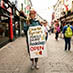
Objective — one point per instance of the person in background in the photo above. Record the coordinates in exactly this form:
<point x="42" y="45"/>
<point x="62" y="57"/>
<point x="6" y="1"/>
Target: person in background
<point x="68" y="32"/>
<point x="57" y="28"/>
<point x="32" y="22"/>
<point x="72" y="36"/>
<point x="46" y="27"/>
<point x="49" y="30"/>
<point x="61" y="28"/>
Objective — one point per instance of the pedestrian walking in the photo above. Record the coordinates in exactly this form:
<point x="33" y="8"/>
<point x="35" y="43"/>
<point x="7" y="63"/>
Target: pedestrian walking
<point x="32" y="22"/>
<point x="61" y="28"/>
<point x="49" y="30"/>
<point x="68" y="32"/>
<point x="57" y="28"/>
<point x="46" y="28"/>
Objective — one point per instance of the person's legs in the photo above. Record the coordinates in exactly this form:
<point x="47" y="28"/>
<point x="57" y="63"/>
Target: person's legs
<point x="32" y="63"/>
<point x="56" y="36"/>
<point x="46" y="36"/>
<point x="27" y="44"/>
<point x="36" y="63"/>
<point x="65" y="44"/>
<point x="32" y="60"/>
<point x="69" y="44"/>
<point x="36" y="60"/>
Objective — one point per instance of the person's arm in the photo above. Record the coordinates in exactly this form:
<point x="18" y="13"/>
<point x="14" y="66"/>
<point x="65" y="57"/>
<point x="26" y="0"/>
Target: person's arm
<point x="39" y="23"/>
<point x="72" y="28"/>
<point x="27" y="24"/>
<point x="63" y="29"/>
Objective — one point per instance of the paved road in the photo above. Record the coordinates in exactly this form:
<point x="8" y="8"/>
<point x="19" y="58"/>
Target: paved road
<point x="14" y="58"/>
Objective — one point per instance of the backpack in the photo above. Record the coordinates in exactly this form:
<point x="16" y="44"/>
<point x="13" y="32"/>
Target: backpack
<point x="68" y="32"/>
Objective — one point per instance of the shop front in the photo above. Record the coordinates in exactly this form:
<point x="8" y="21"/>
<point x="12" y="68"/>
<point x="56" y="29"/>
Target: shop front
<point x="4" y="27"/>
<point x="67" y="18"/>
<point x="16" y="26"/>
<point x="22" y="23"/>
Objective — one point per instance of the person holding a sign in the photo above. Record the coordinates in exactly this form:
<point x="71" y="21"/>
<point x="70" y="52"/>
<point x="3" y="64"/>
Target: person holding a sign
<point x="32" y="22"/>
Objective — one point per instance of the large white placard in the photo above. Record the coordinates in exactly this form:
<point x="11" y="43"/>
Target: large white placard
<point x="36" y="38"/>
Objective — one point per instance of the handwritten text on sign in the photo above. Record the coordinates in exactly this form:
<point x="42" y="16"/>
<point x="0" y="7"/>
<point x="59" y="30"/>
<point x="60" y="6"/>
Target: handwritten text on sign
<point x="36" y="38"/>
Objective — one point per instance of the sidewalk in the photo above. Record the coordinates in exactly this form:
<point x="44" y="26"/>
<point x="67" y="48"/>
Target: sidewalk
<point x="14" y="58"/>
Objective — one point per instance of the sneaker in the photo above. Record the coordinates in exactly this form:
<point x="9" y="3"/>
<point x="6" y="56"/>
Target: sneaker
<point x="32" y="67"/>
<point x="36" y="66"/>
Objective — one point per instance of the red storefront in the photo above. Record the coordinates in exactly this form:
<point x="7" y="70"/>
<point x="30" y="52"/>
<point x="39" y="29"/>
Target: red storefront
<point x="6" y="26"/>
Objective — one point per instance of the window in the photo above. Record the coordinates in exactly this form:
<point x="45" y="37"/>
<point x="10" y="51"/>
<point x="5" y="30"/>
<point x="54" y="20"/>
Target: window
<point x="4" y="32"/>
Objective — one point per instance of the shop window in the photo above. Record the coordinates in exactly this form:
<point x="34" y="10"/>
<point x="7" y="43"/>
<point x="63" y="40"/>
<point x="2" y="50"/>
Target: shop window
<point x="4" y="32"/>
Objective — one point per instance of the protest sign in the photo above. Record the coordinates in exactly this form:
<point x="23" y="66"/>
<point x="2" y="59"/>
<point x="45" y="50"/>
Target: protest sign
<point x="36" y="38"/>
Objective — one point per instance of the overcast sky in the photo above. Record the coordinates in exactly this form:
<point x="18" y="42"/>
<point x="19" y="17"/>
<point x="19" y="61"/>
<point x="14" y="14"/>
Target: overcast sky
<point x="44" y="8"/>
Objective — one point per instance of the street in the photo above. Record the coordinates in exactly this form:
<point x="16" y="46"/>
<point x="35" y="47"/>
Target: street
<point x="14" y="58"/>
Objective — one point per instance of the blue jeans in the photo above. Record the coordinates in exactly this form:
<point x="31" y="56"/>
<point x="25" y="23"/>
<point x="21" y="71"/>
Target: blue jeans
<point x="67" y="43"/>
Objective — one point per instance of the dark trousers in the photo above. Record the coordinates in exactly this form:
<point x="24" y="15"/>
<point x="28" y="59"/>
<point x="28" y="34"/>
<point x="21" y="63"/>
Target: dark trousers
<point x="67" y="43"/>
<point x="36" y="59"/>
<point x="46" y="36"/>
<point x="56" y="35"/>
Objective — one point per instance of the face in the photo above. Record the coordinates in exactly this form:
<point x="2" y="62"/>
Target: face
<point x="44" y="24"/>
<point x="32" y="16"/>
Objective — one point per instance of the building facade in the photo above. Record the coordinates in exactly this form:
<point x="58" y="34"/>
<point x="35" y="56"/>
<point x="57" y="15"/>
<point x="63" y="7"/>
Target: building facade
<point x="6" y="27"/>
<point x="62" y="7"/>
<point x="64" y="11"/>
<point x="12" y="18"/>
<point x="24" y="7"/>
<point x="58" y="9"/>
